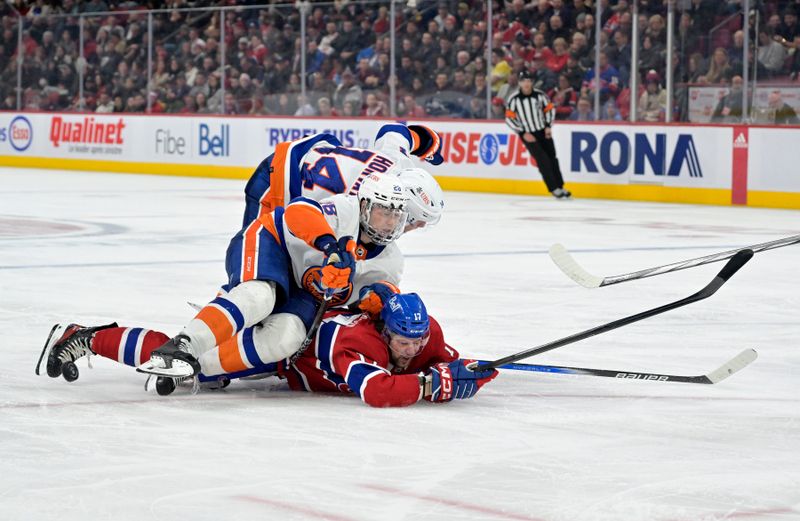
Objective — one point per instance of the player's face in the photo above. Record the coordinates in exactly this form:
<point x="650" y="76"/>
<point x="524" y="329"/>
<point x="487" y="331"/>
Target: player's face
<point x="403" y="349"/>
<point x="385" y="220"/>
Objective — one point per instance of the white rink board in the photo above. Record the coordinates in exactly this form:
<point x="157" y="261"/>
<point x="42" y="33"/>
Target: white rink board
<point x="776" y="167"/>
<point x="476" y="153"/>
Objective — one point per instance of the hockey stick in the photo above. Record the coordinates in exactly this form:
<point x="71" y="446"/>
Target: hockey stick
<point x="312" y="331"/>
<point x="731" y="267"/>
<point x="734" y="365"/>
<point x="566" y="263"/>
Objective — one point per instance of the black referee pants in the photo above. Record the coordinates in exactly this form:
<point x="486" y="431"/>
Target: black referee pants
<point x="544" y="152"/>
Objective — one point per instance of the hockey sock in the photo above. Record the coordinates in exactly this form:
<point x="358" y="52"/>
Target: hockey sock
<point x="221" y="319"/>
<point x="126" y="345"/>
<point x="276" y="338"/>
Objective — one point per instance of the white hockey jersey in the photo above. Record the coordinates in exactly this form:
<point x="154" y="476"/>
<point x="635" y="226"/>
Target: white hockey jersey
<point x="374" y="263"/>
<point x="319" y="166"/>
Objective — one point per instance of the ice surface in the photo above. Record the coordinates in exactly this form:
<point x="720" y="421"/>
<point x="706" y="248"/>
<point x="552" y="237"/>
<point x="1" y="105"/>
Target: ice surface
<point x="92" y="248"/>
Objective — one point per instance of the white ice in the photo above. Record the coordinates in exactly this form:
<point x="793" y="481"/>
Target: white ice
<point x="94" y="248"/>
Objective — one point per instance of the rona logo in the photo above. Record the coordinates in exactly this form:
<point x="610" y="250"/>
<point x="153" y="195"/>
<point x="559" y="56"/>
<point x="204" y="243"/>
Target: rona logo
<point x="644" y="150"/>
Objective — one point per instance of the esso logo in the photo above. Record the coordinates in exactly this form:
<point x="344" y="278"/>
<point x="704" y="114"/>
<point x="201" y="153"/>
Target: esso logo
<point x="20" y="133"/>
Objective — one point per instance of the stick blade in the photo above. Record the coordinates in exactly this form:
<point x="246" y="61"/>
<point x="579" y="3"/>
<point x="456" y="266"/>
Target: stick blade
<point x="734" y="365"/>
<point x="737" y="261"/>
<point x="564" y="261"/>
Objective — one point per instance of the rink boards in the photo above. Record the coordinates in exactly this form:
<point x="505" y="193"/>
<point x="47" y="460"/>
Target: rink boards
<point x="708" y="164"/>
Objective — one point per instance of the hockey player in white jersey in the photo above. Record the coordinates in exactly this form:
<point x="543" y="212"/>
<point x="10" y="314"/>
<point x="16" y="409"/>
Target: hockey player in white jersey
<point x="285" y="329"/>
<point x="319" y="166"/>
<point x="307" y="245"/>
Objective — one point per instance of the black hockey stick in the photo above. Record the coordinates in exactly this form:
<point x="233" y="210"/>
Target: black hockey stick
<point x="312" y="331"/>
<point x="731" y="267"/>
<point x="735" y="364"/>
<point x="566" y="263"/>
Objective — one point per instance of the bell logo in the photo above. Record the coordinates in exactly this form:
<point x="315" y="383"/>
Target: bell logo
<point x="217" y="145"/>
<point x="641" y="151"/>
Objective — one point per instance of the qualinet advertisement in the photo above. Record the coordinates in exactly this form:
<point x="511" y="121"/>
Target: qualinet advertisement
<point x="682" y="156"/>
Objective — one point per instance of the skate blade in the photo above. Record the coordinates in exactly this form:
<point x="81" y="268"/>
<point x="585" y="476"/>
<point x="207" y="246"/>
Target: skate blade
<point x="179" y="369"/>
<point x="52" y="338"/>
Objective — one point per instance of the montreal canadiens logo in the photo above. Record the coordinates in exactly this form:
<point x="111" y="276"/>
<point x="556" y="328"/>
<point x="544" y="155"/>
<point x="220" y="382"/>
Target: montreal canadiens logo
<point x="20" y="133"/>
<point x="489" y="149"/>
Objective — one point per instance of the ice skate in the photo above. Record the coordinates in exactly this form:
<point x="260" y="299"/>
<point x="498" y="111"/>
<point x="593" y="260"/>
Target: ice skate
<point x="66" y="344"/>
<point x="173" y="359"/>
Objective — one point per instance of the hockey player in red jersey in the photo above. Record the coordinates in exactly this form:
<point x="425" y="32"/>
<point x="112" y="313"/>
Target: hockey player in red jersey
<point x="393" y="359"/>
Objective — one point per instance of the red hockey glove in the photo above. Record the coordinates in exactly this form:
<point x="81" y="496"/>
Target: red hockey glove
<point x="373" y="296"/>
<point x="454" y="380"/>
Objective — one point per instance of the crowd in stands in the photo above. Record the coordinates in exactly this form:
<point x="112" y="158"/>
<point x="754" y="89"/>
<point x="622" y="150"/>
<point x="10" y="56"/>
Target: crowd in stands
<point x="442" y="63"/>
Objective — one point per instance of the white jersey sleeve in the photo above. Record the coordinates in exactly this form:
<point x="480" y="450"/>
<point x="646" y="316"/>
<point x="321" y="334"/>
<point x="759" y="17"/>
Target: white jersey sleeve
<point x="373" y="262"/>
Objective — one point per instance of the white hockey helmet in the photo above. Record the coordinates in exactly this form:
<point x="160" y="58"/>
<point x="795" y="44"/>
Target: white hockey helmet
<point x="383" y="201"/>
<point x="425" y="196"/>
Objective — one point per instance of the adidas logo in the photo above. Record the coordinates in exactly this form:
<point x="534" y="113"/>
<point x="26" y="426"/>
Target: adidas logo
<point x="740" y="141"/>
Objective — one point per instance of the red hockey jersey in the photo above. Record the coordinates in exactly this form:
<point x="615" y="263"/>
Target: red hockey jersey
<point x="349" y="355"/>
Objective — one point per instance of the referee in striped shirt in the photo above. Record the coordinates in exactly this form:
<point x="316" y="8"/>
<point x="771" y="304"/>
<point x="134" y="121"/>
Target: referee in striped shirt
<point x="529" y="113"/>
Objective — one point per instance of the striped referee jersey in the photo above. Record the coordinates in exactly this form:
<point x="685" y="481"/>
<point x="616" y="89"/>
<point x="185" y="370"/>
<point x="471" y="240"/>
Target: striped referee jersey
<point x="530" y="113"/>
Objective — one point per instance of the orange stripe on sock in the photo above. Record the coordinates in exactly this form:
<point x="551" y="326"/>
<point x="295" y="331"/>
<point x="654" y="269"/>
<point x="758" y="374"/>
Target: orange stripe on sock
<point x="217" y="322"/>
<point x="306" y="222"/>
<point x="229" y="356"/>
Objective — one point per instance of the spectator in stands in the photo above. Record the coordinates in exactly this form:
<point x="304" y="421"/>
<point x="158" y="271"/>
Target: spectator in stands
<point x="656" y="29"/>
<point x="304" y="107"/>
<point x="583" y="111"/>
<point x="351" y="109"/>
<point x="498" y="108"/>
<point x="609" y="83"/>
<point x="325" y="109"/>
<point x="729" y="108"/>
<point x="574" y="71"/>
<point x="781" y="113"/>
<point x="508" y="88"/>
<point x="543" y="78"/>
<point x="610" y="112"/>
<point x="620" y="55"/>
<point x="652" y="54"/>
<point x="348" y="90"/>
<point x="410" y="108"/>
<point x="501" y="69"/>
<point x="558" y="59"/>
<point x="771" y="54"/>
<point x="445" y="101"/>
<point x="794" y="68"/>
<point x="720" y="67"/>
<point x="375" y="107"/>
<point x="653" y="101"/>
<point x="564" y="98"/>
<point x="789" y="28"/>
<point x="477" y="107"/>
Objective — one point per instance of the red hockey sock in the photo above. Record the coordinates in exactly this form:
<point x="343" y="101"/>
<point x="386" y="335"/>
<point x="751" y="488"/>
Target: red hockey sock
<point x="126" y="345"/>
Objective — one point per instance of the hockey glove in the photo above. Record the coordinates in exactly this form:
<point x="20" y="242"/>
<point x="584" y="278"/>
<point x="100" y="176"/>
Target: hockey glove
<point x="454" y="380"/>
<point x="340" y="261"/>
<point x="372" y="297"/>
<point x="429" y="144"/>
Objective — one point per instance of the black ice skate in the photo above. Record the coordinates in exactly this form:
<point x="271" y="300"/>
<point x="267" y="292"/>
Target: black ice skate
<point x="173" y="359"/>
<point x="166" y="385"/>
<point x="64" y="345"/>
<point x="561" y="193"/>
